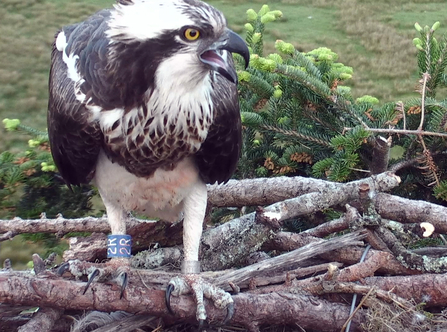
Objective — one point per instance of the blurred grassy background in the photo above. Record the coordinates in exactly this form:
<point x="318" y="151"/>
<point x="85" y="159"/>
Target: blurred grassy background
<point x="373" y="37"/>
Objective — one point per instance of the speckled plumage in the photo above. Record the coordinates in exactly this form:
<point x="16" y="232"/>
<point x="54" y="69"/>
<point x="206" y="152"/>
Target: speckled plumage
<point x="118" y="106"/>
<point x="147" y="114"/>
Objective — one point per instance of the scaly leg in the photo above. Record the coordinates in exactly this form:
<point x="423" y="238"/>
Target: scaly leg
<point x="118" y="249"/>
<point x="194" y="214"/>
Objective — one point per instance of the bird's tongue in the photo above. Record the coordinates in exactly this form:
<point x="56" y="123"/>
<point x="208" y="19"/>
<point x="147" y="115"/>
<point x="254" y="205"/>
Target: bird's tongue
<point x="217" y="63"/>
<point x="212" y="56"/>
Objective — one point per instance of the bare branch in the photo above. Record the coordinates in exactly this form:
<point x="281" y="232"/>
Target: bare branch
<point x="43" y="321"/>
<point x="334" y="226"/>
<point x="405" y="210"/>
<point x="348" y="255"/>
<point x="427" y="288"/>
<point x="402" y="132"/>
<point x="265" y="191"/>
<point x="278" y="308"/>
<point x="380" y="154"/>
<point x="411" y="259"/>
<point x="281" y="262"/>
<point x="425" y="78"/>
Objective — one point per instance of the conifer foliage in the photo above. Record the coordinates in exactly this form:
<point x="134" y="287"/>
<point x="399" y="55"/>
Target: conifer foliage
<point x="300" y="119"/>
<point x="30" y="184"/>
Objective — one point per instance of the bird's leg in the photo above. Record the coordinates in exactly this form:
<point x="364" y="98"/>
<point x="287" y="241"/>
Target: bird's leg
<point x="194" y="210"/>
<point x="118" y="249"/>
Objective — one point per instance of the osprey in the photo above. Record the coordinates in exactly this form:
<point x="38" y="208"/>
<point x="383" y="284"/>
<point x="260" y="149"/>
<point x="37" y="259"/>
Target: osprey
<point x="143" y="103"/>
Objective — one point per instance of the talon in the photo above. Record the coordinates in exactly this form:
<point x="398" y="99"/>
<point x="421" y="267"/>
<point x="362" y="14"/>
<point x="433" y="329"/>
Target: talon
<point x="201" y="325"/>
<point x="230" y="313"/>
<point x="124" y="284"/>
<point x="90" y="279"/>
<point x="169" y="290"/>
<point x="63" y="268"/>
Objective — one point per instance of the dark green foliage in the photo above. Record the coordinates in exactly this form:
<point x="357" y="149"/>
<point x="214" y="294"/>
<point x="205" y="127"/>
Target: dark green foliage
<point x="300" y="120"/>
<point x="47" y="192"/>
<point x="30" y="185"/>
<point x="440" y="190"/>
<point x="432" y="57"/>
<point x="293" y="108"/>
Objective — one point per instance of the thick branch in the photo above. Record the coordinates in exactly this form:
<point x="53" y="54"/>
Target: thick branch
<point x="251" y="310"/>
<point x="261" y="191"/>
<point x="411" y="211"/>
<point x="348" y="255"/>
<point x="427" y="288"/>
<point x="289" y="259"/>
<point x="60" y="224"/>
<point x="254" y="192"/>
<point x="43" y="321"/>
<point x="380" y="154"/>
<point x="235" y="193"/>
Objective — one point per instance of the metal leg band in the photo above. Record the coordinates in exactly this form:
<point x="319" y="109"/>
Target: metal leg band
<point x="190" y="267"/>
<point x="119" y="246"/>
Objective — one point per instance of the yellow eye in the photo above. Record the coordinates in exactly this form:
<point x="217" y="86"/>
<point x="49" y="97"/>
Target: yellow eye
<point x="191" y="34"/>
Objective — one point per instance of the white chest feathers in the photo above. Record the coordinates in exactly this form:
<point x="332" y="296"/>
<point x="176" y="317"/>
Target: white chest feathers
<point x="161" y="133"/>
<point x="158" y="196"/>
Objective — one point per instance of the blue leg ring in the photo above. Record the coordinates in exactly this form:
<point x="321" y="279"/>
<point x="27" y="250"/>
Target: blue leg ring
<point x="119" y="246"/>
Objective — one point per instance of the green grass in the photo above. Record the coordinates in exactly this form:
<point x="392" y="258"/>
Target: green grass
<point x="375" y="38"/>
<point x="20" y="252"/>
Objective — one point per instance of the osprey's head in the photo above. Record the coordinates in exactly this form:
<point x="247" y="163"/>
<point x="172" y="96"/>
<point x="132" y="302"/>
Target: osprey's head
<point x="173" y="41"/>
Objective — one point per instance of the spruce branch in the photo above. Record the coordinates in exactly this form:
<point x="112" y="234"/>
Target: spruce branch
<point x="428" y="50"/>
<point x="346" y="106"/>
<point x="295" y="134"/>
<point x="439" y="68"/>
<point x="305" y="79"/>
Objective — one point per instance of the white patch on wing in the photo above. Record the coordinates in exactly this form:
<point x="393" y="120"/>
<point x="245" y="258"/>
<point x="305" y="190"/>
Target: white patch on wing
<point x="70" y="61"/>
<point x="72" y="71"/>
<point x="158" y="196"/>
<point x="73" y="74"/>
<point x="146" y="19"/>
<point x="61" y="41"/>
<point x="108" y="118"/>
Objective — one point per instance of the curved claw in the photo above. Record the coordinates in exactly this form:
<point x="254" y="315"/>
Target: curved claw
<point x="124" y="284"/>
<point x="230" y="313"/>
<point x="201" y="325"/>
<point x="63" y="268"/>
<point x="169" y="290"/>
<point x="90" y="279"/>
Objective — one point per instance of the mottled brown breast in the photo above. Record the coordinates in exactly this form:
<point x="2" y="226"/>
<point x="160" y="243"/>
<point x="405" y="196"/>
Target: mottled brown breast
<point x="143" y="140"/>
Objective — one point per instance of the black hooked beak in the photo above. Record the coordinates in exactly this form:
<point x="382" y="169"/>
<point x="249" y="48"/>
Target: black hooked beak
<point x="217" y="61"/>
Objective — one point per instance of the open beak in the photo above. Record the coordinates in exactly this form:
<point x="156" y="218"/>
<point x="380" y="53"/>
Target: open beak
<point x="217" y="61"/>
